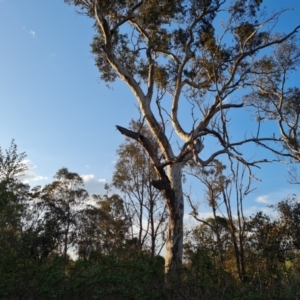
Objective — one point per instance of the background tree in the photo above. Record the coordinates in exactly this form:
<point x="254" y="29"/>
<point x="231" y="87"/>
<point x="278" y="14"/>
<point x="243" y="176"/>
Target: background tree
<point x="61" y="202"/>
<point x="13" y="196"/>
<point x="33" y="264"/>
<point x="11" y="162"/>
<point x="225" y="195"/>
<point x="289" y="214"/>
<point x="133" y="175"/>
<point x="103" y="227"/>
<point x="233" y="195"/>
<point x="267" y="240"/>
<point x="172" y="47"/>
<point x="215" y="183"/>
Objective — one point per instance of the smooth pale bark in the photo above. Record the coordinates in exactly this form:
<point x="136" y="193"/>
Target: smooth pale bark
<point x="174" y="243"/>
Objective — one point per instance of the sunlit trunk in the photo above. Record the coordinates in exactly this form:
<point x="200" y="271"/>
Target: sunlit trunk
<point x="174" y="242"/>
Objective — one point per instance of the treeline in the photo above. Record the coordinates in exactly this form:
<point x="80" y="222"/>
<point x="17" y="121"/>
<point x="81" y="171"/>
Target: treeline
<point x="57" y="242"/>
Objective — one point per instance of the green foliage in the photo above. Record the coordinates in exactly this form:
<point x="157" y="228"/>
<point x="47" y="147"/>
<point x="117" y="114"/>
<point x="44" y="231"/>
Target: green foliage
<point x="165" y="27"/>
<point x="33" y="230"/>
<point x="176" y="48"/>
<point x="60" y="201"/>
<point x="103" y="227"/>
<point x="11" y="162"/>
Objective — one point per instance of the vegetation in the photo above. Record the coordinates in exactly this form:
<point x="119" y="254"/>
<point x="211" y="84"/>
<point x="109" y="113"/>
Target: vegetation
<point x="59" y="242"/>
<point x="178" y="61"/>
<point x="55" y="244"/>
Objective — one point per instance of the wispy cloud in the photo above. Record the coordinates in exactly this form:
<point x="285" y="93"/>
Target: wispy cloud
<point x="92" y="184"/>
<point x="276" y="196"/>
<point x="31" y="174"/>
<point x="264" y="199"/>
<point x="252" y="210"/>
<point x="91" y="177"/>
<point x="87" y="178"/>
<point x="33" y="33"/>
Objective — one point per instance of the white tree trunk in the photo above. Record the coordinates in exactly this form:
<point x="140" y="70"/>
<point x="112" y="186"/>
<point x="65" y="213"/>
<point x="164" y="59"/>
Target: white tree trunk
<point x="174" y="243"/>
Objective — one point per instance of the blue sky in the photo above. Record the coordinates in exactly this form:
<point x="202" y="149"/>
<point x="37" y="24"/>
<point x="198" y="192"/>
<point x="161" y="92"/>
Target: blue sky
<point x="57" y="110"/>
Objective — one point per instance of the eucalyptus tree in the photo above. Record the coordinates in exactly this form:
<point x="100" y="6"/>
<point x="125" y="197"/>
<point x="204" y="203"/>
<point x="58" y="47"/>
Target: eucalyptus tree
<point x="178" y="62"/>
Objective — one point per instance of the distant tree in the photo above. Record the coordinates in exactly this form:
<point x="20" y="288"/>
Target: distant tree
<point x="14" y="203"/>
<point x="133" y="175"/>
<point x="204" y="237"/>
<point x="266" y="238"/>
<point x="13" y="197"/>
<point x="215" y="182"/>
<point x="233" y="197"/>
<point x="172" y="54"/>
<point x="11" y="162"/>
<point x="103" y="227"/>
<point x="225" y="195"/>
<point x="61" y="201"/>
<point x="289" y="215"/>
<point x="42" y="233"/>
